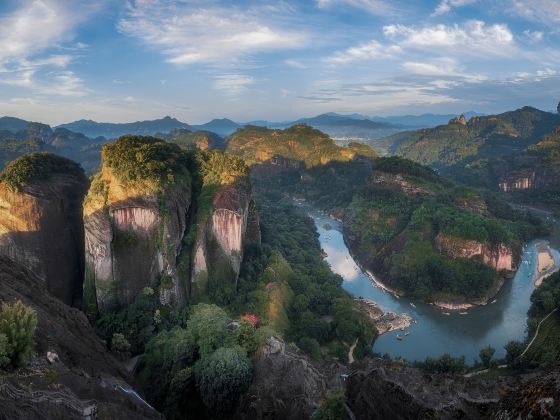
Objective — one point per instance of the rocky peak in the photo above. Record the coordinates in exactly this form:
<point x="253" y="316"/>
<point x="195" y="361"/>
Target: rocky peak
<point x="41" y="223"/>
<point x="135" y="219"/>
<point x="459" y="120"/>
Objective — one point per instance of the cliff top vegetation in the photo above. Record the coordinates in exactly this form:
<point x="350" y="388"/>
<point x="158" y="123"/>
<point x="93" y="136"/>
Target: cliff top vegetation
<point x="150" y="161"/>
<point x="38" y="166"/>
<point x="299" y="142"/>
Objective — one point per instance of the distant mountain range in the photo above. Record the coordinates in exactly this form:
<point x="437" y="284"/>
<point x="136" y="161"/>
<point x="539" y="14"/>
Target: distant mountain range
<point x="113" y="130"/>
<point x="424" y="120"/>
<point x="336" y="125"/>
<point x="12" y="124"/>
<point x="223" y="126"/>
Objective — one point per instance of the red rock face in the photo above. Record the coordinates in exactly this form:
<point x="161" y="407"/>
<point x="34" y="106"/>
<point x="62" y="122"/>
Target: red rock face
<point x="218" y="250"/>
<point x="499" y="256"/>
<point x="136" y="218"/>
<point x="131" y="244"/>
<point x="522" y="183"/>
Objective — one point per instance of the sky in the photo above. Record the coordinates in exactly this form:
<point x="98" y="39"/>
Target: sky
<point x="121" y="61"/>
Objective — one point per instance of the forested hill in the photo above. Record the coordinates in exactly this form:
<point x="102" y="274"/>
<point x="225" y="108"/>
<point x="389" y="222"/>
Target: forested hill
<point x="415" y="229"/>
<point x="460" y="141"/>
<point x="531" y="177"/>
<point x="300" y="143"/>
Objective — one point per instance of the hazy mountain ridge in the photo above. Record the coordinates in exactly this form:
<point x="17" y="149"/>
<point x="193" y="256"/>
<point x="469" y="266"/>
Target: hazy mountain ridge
<point x="113" y="130"/>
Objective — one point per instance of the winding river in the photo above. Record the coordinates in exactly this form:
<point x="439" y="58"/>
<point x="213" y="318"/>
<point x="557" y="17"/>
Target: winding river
<point x="434" y="332"/>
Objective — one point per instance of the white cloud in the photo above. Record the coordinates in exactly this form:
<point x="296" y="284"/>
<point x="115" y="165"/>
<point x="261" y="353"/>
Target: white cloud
<point x="32" y="29"/>
<point x="66" y="83"/>
<point x="188" y="35"/>
<point x="544" y="11"/>
<point x="369" y="51"/>
<point x="437" y="67"/>
<point x="533" y="36"/>
<point x="232" y="85"/>
<point x="474" y="37"/>
<point x="295" y="64"/>
<point x="30" y="35"/>
<point x="445" y="6"/>
<point x="376" y="7"/>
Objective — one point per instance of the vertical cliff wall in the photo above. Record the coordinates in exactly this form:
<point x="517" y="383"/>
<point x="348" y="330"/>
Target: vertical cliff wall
<point x="135" y="223"/>
<point x="221" y="237"/>
<point x="226" y="222"/>
<point x="499" y="256"/>
<point x="41" y="221"/>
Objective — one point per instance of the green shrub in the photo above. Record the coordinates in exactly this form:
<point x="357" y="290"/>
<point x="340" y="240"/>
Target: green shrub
<point x="120" y="345"/>
<point x="513" y="351"/>
<point x="222" y="377"/>
<point x="444" y="364"/>
<point x="245" y="336"/>
<point x="208" y="326"/>
<point x="486" y="355"/>
<point x="332" y="407"/>
<point x="263" y="334"/>
<point x="310" y="346"/>
<point x="18" y="323"/>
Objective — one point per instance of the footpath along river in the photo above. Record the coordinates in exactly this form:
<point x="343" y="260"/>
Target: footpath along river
<point x="434" y="332"/>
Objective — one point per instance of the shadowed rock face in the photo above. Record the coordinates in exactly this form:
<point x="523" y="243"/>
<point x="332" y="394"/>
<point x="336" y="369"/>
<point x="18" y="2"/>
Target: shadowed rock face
<point x="85" y="369"/>
<point x="41" y="227"/>
<point x="537" y="398"/>
<point x="386" y="390"/>
<point x="286" y="385"/>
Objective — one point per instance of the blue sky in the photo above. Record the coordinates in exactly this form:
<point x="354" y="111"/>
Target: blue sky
<point x="110" y="60"/>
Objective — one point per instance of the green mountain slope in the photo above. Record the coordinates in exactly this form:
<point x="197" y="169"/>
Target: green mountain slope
<point x="460" y="142"/>
<point x="298" y="143"/>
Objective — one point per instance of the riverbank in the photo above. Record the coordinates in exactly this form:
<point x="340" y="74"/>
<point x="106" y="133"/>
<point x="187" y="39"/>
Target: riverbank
<point x="460" y="303"/>
<point x="384" y="322"/>
<point x="546" y="265"/>
<point x="431" y="332"/>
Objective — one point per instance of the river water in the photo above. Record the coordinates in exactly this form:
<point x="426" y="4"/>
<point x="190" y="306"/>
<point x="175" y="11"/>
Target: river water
<point x="434" y="332"/>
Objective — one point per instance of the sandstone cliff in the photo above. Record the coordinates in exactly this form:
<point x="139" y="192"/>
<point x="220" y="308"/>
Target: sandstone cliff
<point x="498" y="256"/>
<point x="226" y="222"/>
<point x="135" y="219"/>
<point x="41" y="222"/>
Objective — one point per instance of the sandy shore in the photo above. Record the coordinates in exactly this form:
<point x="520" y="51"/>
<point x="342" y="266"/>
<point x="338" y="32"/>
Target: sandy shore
<point x="546" y="266"/>
<point x="453" y="306"/>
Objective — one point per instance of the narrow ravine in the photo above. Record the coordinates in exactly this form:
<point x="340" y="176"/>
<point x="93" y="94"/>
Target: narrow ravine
<point x="434" y="332"/>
